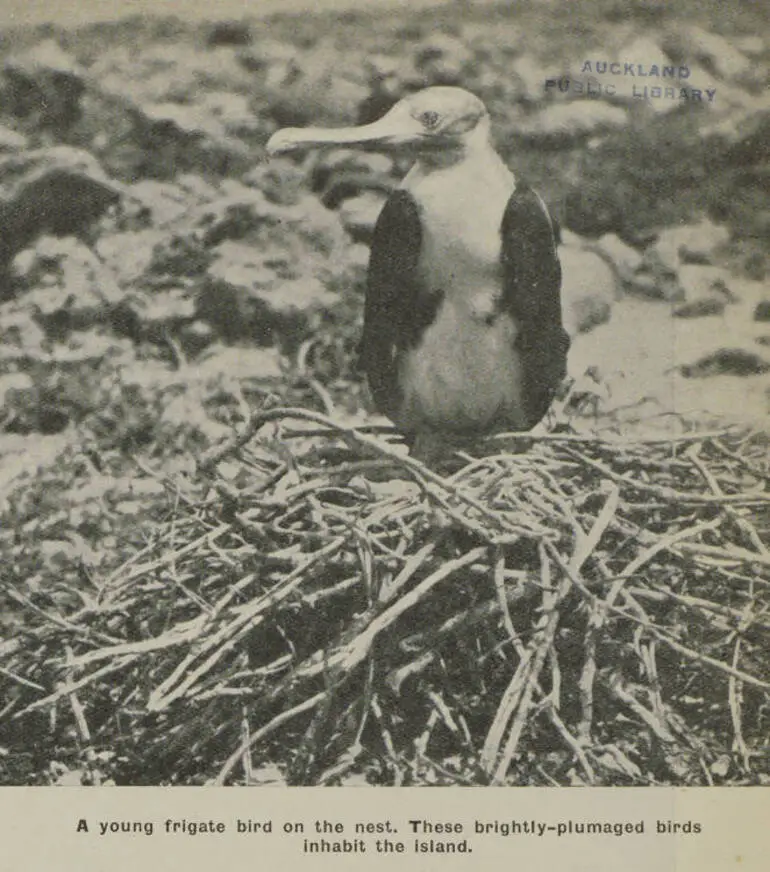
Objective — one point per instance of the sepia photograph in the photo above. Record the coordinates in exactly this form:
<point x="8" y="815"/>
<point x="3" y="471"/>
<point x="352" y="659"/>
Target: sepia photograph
<point x="384" y="396"/>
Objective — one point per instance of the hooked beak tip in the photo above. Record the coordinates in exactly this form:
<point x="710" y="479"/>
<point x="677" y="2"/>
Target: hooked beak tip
<point x="278" y="144"/>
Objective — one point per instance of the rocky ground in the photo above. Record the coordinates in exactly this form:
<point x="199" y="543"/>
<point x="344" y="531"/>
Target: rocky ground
<point x="158" y="276"/>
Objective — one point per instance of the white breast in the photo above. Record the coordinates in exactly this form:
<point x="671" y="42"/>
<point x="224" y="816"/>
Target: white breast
<point x="464" y="374"/>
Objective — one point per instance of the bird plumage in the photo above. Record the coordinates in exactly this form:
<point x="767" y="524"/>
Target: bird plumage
<point x="489" y="356"/>
<point x="462" y="319"/>
<point x="532" y="296"/>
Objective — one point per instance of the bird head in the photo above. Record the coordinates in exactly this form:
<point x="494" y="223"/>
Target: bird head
<point x="435" y="119"/>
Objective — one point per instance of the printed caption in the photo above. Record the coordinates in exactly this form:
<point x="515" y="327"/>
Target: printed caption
<point x="415" y="836"/>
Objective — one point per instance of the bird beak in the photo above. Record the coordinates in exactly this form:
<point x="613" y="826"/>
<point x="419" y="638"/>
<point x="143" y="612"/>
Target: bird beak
<point x="394" y="128"/>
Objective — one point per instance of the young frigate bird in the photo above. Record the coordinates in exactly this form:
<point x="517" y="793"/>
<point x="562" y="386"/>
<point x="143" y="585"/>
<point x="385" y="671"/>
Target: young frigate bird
<point x="463" y="326"/>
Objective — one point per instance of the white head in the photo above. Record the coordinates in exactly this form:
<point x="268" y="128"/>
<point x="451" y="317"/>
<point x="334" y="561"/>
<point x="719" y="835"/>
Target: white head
<point x="431" y="122"/>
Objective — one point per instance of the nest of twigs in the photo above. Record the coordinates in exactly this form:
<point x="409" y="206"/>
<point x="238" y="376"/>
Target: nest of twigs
<point x="557" y="610"/>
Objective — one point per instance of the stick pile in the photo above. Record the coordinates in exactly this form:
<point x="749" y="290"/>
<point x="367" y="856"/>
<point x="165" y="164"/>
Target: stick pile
<point x="557" y="610"/>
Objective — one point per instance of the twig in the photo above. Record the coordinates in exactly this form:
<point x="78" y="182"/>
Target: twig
<point x="645" y="715"/>
<point x="499" y="583"/>
<point x="271" y="727"/>
<point x="65" y="688"/>
<point x="20" y="680"/>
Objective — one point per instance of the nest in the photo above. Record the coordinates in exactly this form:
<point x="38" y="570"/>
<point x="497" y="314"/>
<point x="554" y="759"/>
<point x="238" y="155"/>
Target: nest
<point x="557" y="610"/>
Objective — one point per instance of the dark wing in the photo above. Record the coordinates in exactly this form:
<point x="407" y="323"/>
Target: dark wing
<point x="532" y="294"/>
<point x="392" y="296"/>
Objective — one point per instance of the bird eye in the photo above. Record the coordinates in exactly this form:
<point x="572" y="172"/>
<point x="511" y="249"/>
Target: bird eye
<point x="430" y="119"/>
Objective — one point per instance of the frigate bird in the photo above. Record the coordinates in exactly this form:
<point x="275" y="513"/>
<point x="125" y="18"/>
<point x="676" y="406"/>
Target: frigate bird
<point x="463" y="326"/>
